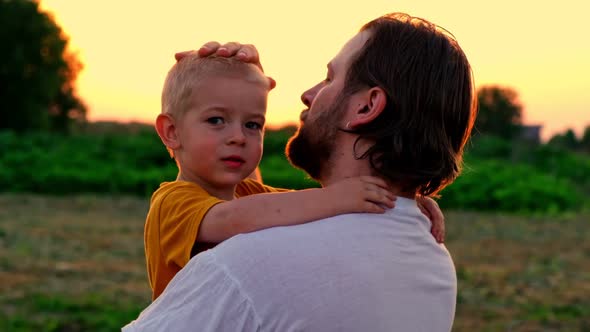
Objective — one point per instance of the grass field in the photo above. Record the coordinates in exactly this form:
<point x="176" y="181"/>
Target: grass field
<point x="77" y="264"/>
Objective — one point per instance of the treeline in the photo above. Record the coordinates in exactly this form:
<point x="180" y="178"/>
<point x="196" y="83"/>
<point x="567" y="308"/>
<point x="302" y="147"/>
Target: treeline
<point x="499" y="174"/>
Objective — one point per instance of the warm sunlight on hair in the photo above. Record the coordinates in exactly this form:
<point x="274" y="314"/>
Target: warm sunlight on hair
<point x="187" y="75"/>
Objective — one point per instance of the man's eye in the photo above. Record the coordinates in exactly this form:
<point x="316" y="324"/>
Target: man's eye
<point x="253" y="125"/>
<point x="216" y="120"/>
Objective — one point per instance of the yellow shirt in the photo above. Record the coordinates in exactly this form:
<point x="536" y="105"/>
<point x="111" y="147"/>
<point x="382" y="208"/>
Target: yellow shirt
<point x="176" y="211"/>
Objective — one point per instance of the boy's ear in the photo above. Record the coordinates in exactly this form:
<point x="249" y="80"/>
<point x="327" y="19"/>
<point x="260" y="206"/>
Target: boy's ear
<point x="166" y="128"/>
<point x="368" y="105"/>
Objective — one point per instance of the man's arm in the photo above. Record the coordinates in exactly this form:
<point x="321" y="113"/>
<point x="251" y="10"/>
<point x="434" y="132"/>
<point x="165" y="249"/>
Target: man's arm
<point x="260" y="211"/>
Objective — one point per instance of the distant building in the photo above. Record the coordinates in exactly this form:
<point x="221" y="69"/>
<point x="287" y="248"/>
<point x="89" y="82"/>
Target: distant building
<point x="531" y="133"/>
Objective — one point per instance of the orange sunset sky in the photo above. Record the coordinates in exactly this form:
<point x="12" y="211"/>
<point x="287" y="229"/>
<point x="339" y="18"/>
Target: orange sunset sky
<point x="539" y="48"/>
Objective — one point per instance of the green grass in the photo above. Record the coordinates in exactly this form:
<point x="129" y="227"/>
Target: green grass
<point x="76" y="264"/>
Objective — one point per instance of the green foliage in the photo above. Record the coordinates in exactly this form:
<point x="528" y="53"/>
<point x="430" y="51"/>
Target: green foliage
<point x="275" y="141"/>
<point x="585" y="141"/>
<point x="498" y="186"/>
<point x="561" y="164"/>
<point x="278" y="172"/>
<point x="489" y="147"/>
<point x="499" y="111"/>
<point x="499" y="175"/>
<point x="37" y="74"/>
<point x="567" y="140"/>
<point x="55" y="164"/>
<point x="113" y="163"/>
<point x="94" y="312"/>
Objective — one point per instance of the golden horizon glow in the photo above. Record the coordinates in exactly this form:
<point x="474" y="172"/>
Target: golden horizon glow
<point x="540" y="50"/>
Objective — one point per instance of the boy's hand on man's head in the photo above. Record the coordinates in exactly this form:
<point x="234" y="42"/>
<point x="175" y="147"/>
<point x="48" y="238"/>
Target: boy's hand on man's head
<point x="430" y="208"/>
<point x="243" y="52"/>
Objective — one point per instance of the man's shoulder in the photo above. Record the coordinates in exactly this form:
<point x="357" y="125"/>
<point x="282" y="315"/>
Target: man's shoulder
<point x="277" y="250"/>
<point x="342" y="265"/>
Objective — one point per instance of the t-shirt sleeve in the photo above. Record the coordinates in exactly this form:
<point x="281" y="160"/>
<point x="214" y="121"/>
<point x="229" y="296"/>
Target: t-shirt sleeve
<point x="201" y="297"/>
<point x="180" y="217"/>
<point x="251" y="187"/>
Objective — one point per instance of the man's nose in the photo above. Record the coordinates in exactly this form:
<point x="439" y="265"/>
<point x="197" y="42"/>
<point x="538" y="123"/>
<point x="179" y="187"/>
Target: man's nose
<point x="308" y="96"/>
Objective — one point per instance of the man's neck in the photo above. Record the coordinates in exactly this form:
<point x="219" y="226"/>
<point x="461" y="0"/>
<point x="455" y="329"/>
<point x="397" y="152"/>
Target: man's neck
<point x="344" y="164"/>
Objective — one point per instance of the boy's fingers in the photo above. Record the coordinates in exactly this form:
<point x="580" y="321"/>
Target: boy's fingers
<point x="377" y="188"/>
<point x="379" y="191"/>
<point x="380" y="197"/>
<point x="244" y="52"/>
<point x="180" y="55"/>
<point x="425" y="211"/>
<point x="272" y="82"/>
<point x="374" y="180"/>
<point x="228" y="49"/>
<point x="438" y="232"/>
<point x="371" y="207"/>
<point x="208" y="48"/>
<point x="247" y="53"/>
<point x="437" y="215"/>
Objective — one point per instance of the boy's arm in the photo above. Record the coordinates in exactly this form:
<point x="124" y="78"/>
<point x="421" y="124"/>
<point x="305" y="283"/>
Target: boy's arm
<point x="256" y="212"/>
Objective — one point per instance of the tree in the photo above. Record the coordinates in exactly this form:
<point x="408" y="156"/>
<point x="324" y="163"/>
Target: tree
<point x="567" y="140"/>
<point x="500" y="112"/>
<point x="37" y="73"/>
<point x="585" y="141"/>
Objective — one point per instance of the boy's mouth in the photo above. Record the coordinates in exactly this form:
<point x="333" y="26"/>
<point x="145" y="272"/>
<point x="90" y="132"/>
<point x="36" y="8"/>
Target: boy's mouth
<point x="233" y="161"/>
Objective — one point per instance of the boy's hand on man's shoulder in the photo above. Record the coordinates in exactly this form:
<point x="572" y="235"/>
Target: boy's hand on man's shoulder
<point x="430" y="208"/>
<point x="361" y="194"/>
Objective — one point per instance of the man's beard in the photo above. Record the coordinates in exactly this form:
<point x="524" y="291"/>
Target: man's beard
<point x="311" y="148"/>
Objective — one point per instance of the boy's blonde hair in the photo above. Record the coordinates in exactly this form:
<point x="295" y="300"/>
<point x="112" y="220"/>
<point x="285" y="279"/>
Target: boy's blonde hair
<point x="185" y="77"/>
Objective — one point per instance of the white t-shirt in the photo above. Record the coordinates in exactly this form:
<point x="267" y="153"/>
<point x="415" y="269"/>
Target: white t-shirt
<point x="353" y="272"/>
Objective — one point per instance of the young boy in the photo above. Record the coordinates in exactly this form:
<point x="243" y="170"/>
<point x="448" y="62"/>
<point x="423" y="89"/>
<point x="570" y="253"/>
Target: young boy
<point x="212" y="120"/>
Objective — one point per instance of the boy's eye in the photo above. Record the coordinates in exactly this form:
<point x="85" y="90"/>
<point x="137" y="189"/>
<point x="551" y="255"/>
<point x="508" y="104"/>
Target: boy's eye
<point x="215" y="120"/>
<point x="253" y="125"/>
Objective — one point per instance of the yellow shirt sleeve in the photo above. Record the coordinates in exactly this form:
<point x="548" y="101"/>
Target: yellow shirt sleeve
<point x="176" y="211"/>
<point x="251" y="187"/>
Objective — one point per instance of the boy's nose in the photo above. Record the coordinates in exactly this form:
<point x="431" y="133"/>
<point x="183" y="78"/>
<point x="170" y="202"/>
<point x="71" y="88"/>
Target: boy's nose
<point x="237" y="136"/>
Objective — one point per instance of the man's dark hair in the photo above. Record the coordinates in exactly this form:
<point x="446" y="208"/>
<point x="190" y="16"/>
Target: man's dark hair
<point x="430" y="110"/>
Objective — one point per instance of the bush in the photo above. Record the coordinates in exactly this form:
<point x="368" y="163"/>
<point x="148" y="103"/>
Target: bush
<point x="278" y="172"/>
<point x="545" y="179"/>
<point x="54" y="164"/>
<point x="498" y="186"/>
<point x="489" y="147"/>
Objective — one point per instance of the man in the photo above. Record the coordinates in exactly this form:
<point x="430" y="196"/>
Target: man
<point x="398" y="103"/>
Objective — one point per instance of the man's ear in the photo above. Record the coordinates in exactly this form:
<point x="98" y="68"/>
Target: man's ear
<point x="166" y="128"/>
<point x="368" y="105"/>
